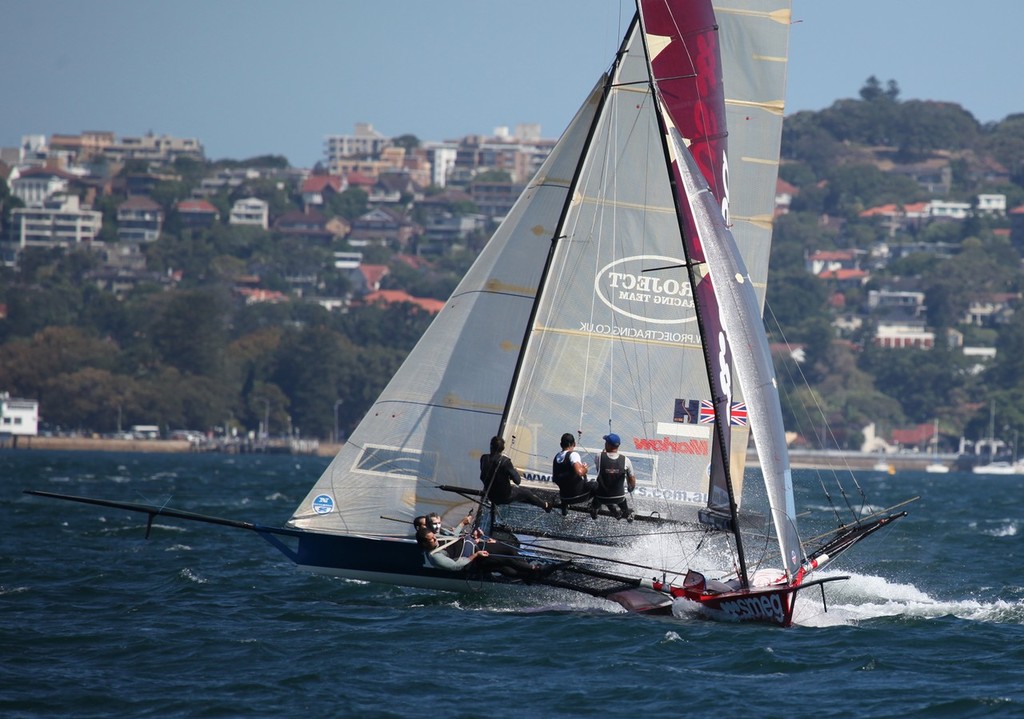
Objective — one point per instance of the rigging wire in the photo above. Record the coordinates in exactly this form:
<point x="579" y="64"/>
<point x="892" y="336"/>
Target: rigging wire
<point x="821" y="416"/>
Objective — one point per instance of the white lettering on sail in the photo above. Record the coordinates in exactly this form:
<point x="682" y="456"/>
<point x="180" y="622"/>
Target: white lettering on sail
<point x="651" y="288"/>
<point x="725" y="187"/>
<point x="686" y="338"/>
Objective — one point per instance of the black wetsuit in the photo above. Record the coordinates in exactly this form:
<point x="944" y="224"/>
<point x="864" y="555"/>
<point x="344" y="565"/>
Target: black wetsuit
<point x="611" y="485"/>
<point x="572" y="488"/>
<point x="501" y="482"/>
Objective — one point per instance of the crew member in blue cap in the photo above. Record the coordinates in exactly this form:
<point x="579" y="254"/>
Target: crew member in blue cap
<point x="614" y="475"/>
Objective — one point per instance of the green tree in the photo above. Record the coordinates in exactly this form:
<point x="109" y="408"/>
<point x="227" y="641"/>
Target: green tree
<point x="349" y="204"/>
<point x="188" y="331"/>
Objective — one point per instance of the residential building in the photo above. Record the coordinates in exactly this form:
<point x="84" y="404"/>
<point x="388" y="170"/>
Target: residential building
<point x="366" y="142"/>
<point x="991" y="310"/>
<point x="382" y="226"/>
<point x="495" y="199"/>
<point x="139" y="219"/>
<point x="442" y="162"/>
<point x="152" y="148"/>
<point x="306" y="226"/>
<point x="84" y="146"/>
<point x="949" y="210"/>
<point x="831" y="260"/>
<point x="900" y="296"/>
<point x="317" y="189"/>
<point x="59" y="222"/>
<point x="250" y="211"/>
<point x="197" y="214"/>
<point x="784" y="194"/>
<point x="36" y="185"/>
<point x="991" y="205"/>
<point x="347" y="260"/>
<point x="390" y="297"/>
<point x="19" y="417"/>
<point x="225" y="179"/>
<point x="903" y="332"/>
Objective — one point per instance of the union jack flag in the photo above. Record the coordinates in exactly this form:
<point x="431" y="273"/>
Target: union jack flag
<point x="707" y="412"/>
<point x="738" y="415"/>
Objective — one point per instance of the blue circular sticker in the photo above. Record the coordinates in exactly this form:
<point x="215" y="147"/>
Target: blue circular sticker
<point x="323" y="504"/>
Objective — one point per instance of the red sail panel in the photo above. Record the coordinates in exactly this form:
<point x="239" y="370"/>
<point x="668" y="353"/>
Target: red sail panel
<point x="681" y="39"/>
<point x="686" y="64"/>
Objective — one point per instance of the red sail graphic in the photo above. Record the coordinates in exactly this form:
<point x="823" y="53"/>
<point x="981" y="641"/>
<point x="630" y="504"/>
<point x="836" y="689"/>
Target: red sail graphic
<point x="681" y="37"/>
<point x="686" y="65"/>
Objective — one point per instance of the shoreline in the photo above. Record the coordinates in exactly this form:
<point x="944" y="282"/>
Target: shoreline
<point x="171" y="446"/>
<point x="799" y="459"/>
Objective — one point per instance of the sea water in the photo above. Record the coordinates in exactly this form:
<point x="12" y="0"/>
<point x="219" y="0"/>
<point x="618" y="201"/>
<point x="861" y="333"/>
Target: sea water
<point x="207" y="621"/>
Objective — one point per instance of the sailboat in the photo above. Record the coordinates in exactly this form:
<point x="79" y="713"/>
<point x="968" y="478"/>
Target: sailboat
<point x="935" y="466"/>
<point x="621" y="294"/>
<point x="997" y="466"/>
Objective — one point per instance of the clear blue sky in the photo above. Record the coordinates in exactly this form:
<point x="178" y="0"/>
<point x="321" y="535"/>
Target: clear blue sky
<point x="252" y="77"/>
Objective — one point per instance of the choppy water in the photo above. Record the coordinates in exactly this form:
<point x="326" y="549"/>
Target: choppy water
<point x="205" y="621"/>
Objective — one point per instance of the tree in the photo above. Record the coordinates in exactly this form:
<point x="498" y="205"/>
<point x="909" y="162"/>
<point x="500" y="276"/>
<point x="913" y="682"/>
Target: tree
<point x="409" y="142"/>
<point x="188" y="331"/>
<point x="872" y="90"/>
<point x="349" y="204"/>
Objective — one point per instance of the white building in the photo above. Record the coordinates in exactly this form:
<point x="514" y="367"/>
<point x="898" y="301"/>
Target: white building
<point x="952" y="210"/>
<point x="36" y="185"/>
<point x="365" y="143"/>
<point x="250" y="211"/>
<point x="442" y="162"/>
<point x="60" y="222"/>
<point x="18" y="416"/>
<point x="139" y="219"/>
<point x="991" y="204"/>
<point x="154" y="148"/>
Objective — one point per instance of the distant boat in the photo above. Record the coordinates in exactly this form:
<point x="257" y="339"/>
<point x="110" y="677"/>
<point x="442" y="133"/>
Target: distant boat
<point x="884" y="466"/>
<point x="999" y="468"/>
<point x="935" y="466"/>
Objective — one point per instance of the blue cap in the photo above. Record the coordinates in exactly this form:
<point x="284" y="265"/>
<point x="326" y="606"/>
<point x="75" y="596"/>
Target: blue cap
<point x="612" y="439"/>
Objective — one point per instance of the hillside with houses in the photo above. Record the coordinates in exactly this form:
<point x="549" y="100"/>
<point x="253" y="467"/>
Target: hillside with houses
<point x="143" y="283"/>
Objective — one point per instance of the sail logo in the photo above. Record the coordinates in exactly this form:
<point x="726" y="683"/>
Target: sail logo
<point x="650" y="288"/>
<point x="323" y="504"/>
<point x="767" y="606"/>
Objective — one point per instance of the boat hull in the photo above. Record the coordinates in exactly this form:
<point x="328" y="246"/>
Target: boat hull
<point x="773" y="605"/>
<point x="373" y="559"/>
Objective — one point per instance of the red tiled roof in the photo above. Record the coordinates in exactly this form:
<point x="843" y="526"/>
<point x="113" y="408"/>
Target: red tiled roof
<point x="781" y="186"/>
<point x="389" y="297"/>
<point x="139" y="202"/>
<point x="881" y="210"/>
<point x="373" y="274"/>
<point x="317" y="183"/>
<point x="47" y="171"/>
<point x="915" y="435"/>
<point x="842" y="274"/>
<point x="195" y="206"/>
<point x="358" y="178"/>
